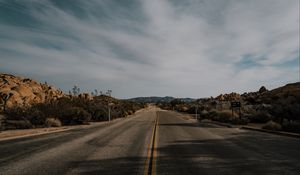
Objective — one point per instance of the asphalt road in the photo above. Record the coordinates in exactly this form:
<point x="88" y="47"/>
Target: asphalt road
<point x="179" y="146"/>
<point x="187" y="147"/>
<point x="119" y="147"/>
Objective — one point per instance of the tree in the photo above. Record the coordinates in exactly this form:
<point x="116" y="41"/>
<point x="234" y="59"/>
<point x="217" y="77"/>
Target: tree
<point x="96" y="92"/>
<point x="176" y="102"/>
<point x="108" y="92"/>
<point x="76" y="90"/>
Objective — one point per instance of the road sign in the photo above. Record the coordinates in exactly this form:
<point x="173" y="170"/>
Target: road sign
<point x="235" y="104"/>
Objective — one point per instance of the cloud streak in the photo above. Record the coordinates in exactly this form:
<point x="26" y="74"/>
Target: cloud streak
<point x="193" y="48"/>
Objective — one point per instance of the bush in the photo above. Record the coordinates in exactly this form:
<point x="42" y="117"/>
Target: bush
<point x="212" y="113"/>
<point x="224" y="116"/>
<point x="35" y="116"/>
<point x="99" y="115"/>
<point x="32" y="114"/>
<point x="204" y="114"/>
<point x="272" y="126"/>
<point x="53" y="122"/>
<point x="18" y="124"/>
<point x="259" y="117"/>
<point x="15" y="113"/>
<point x="237" y="121"/>
<point x="74" y="115"/>
<point x="2" y="119"/>
<point x="291" y="127"/>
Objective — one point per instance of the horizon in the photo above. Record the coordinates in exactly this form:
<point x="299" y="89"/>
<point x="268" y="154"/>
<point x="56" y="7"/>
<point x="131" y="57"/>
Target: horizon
<point x="193" y="49"/>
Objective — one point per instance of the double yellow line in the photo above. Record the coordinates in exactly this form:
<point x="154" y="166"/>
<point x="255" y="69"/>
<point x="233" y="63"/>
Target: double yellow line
<point x="150" y="165"/>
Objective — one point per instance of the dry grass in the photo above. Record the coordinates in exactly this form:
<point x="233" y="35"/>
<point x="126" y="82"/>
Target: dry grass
<point x="53" y="122"/>
<point x="271" y="125"/>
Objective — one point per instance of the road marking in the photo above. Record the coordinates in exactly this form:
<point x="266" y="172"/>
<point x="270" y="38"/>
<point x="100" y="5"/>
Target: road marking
<point x="150" y="164"/>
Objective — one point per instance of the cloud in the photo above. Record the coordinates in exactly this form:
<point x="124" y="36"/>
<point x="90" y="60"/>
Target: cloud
<point x="152" y="47"/>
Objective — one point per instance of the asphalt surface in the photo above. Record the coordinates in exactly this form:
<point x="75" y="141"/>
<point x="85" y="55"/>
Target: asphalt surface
<point x="115" y="148"/>
<point x="187" y="147"/>
<point x="181" y="146"/>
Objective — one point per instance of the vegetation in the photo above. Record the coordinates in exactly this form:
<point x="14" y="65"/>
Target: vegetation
<point x="53" y="122"/>
<point x="271" y="125"/>
<point x="68" y="110"/>
<point x="281" y="105"/>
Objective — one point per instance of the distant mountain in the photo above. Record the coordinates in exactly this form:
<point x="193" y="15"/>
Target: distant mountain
<point x="155" y="99"/>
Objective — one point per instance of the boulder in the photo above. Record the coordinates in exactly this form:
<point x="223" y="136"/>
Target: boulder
<point x="262" y="89"/>
<point x="25" y="91"/>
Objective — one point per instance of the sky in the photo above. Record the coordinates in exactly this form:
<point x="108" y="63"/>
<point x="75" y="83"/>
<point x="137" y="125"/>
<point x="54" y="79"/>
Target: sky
<point x="191" y="48"/>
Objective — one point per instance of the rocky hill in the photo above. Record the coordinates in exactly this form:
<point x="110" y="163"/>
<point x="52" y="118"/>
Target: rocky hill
<point x="21" y="91"/>
<point x="263" y="95"/>
<point x="289" y="91"/>
<point x="26" y="103"/>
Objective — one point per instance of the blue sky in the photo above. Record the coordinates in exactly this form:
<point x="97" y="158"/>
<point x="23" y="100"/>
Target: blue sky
<point x="191" y="48"/>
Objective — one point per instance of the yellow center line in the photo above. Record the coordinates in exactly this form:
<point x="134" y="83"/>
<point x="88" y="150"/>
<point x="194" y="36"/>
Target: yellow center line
<point x="150" y="164"/>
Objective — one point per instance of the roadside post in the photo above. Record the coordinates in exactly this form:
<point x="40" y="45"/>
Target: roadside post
<point x="236" y="104"/>
<point x="108" y="93"/>
<point x="109" y="115"/>
<point x="196" y="109"/>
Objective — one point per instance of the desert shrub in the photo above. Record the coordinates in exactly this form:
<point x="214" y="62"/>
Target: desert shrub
<point x="259" y="117"/>
<point x="224" y="116"/>
<point x="271" y="125"/>
<point x="204" y="113"/>
<point x="72" y="110"/>
<point x="74" y="115"/>
<point x="129" y="112"/>
<point x="205" y="120"/>
<point x="286" y="108"/>
<point x="212" y="113"/>
<point x="291" y="127"/>
<point x="2" y="119"/>
<point x="32" y="114"/>
<point x="53" y="122"/>
<point x="190" y="109"/>
<point x="99" y="115"/>
<point x="35" y="116"/>
<point x="98" y="112"/>
<point x="18" y="124"/>
<point x="238" y="121"/>
<point x="15" y="113"/>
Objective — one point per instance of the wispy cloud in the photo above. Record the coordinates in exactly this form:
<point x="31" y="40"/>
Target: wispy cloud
<point x="152" y="47"/>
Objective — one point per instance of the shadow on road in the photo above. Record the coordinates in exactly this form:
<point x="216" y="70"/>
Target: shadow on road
<point x="242" y="153"/>
<point x="189" y="125"/>
<point x="237" y="154"/>
<point x="122" y="165"/>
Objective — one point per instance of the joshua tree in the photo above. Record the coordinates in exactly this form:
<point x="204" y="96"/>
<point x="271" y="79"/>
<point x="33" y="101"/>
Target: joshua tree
<point x="76" y="90"/>
<point x="108" y="92"/>
<point x="96" y="92"/>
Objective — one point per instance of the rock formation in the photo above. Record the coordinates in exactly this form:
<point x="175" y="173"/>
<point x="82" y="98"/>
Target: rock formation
<point x="229" y="97"/>
<point x="16" y="90"/>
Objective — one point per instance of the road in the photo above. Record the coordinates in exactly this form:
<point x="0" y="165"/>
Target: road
<point x="152" y="142"/>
